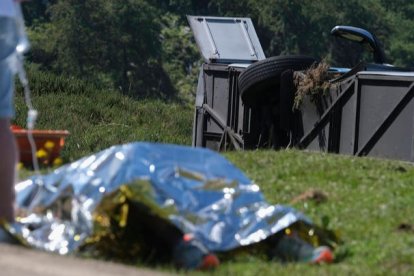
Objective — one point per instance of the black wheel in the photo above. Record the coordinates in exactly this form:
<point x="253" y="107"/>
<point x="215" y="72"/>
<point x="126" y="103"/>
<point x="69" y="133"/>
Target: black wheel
<point x="261" y="79"/>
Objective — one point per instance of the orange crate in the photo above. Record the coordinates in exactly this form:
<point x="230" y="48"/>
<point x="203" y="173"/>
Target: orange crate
<point x="48" y="144"/>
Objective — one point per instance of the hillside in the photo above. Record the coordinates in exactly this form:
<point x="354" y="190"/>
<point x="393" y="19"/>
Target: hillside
<point x="98" y="118"/>
<point x="368" y="202"/>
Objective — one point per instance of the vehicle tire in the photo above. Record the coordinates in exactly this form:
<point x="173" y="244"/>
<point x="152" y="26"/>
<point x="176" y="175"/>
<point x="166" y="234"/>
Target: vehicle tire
<point x="260" y="81"/>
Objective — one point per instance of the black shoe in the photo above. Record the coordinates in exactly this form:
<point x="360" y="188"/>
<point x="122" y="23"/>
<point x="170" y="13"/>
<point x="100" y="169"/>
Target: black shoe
<point x="190" y="253"/>
<point x="6" y="237"/>
<point x="292" y="248"/>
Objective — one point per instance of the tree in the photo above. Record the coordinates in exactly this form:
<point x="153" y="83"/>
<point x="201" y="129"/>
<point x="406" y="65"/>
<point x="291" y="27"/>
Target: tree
<point x="111" y="42"/>
<point x="145" y="46"/>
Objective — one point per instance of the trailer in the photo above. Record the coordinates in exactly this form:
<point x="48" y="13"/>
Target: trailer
<point x="244" y="100"/>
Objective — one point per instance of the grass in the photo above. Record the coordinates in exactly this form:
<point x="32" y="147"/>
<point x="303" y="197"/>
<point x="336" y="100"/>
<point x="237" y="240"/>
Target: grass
<point x="368" y="200"/>
<point x="98" y="118"/>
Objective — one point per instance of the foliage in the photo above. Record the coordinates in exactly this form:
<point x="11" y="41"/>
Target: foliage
<point x="313" y="82"/>
<point x="180" y="55"/>
<point x="145" y="48"/>
<point x="401" y="39"/>
<point x="369" y="201"/>
<point x="98" y="118"/>
<point x="303" y="27"/>
<point x="107" y="42"/>
<point x="91" y="53"/>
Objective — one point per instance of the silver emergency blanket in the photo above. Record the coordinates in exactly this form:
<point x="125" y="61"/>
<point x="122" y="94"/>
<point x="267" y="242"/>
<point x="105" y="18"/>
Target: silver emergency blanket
<point x="196" y="189"/>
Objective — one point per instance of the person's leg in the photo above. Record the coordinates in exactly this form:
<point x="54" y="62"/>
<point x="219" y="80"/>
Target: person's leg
<point x="8" y="150"/>
<point x="289" y="246"/>
<point x="8" y="159"/>
<point x="167" y="241"/>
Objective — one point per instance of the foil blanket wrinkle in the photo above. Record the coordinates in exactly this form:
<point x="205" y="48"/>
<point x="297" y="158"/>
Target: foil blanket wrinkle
<point x="195" y="189"/>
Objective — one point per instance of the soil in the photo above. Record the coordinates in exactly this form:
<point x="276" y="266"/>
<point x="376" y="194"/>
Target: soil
<point x="20" y="261"/>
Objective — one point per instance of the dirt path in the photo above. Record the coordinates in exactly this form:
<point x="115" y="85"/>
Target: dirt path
<point x="19" y="261"/>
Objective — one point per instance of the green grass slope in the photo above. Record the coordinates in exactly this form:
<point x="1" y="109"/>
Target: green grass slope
<point x="98" y="118"/>
<point x="368" y="201"/>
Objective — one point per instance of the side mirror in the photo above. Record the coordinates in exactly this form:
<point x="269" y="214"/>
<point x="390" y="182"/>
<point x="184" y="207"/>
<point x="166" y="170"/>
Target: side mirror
<point x="363" y="37"/>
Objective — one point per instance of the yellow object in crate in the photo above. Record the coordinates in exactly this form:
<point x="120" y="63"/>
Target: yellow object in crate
<point x="48" y="145"/>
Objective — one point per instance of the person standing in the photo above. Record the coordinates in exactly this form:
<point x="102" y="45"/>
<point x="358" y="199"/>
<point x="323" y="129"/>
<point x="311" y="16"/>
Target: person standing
<point x="8" y="147"/>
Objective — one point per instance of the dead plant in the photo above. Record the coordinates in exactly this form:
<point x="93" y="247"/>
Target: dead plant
<point x="313" y="82"/>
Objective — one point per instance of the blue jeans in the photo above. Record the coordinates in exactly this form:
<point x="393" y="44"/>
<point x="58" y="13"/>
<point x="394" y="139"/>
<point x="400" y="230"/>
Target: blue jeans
<point x="8" y="42"/>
